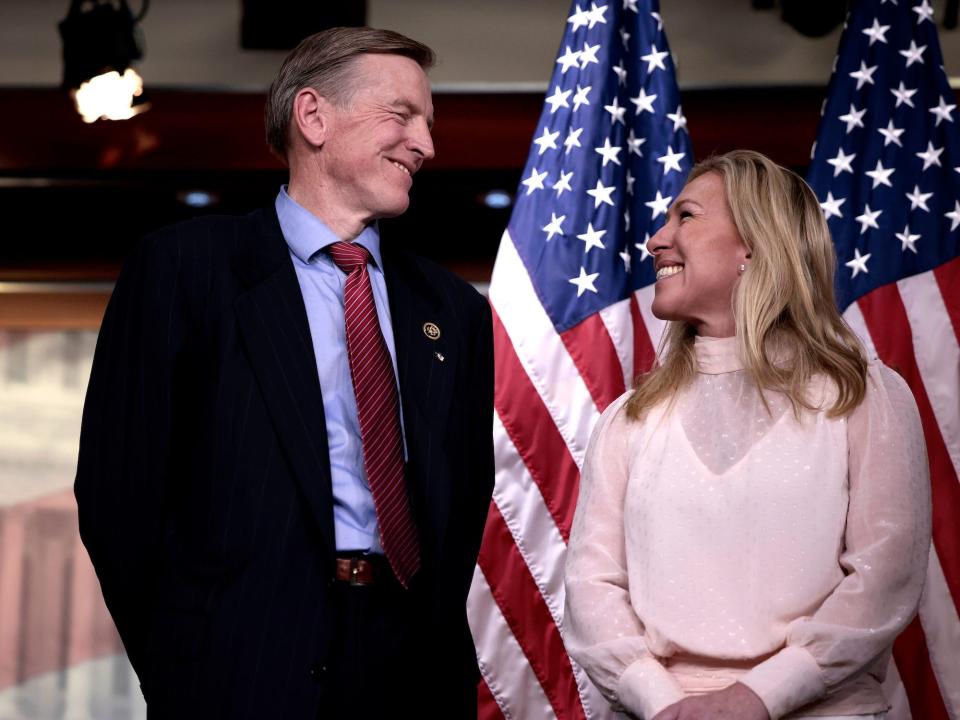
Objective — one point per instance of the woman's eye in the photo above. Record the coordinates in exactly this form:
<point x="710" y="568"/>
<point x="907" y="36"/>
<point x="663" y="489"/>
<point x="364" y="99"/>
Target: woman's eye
<point x="684" y="214"/>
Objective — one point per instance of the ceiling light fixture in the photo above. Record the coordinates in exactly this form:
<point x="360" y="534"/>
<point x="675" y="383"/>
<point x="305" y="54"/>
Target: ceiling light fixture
<point x="198" y="198"/>
<point x="101" y="39"/>
<point x="497" y="199"/>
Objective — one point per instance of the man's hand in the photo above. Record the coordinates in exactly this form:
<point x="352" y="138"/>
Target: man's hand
<point x="737" y="702"/>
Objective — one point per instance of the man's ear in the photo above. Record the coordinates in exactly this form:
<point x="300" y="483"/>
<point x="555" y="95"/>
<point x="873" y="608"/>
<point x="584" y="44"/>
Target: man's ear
<point x="311" y="116"/>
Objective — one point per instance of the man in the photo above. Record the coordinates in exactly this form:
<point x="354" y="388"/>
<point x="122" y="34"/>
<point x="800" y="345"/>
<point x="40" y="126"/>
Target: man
<point x="286" y="456"/>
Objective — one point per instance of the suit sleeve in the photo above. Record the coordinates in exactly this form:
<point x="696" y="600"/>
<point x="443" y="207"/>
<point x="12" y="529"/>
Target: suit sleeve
<point x="479" y="442"/>
<point x="125" y="440"/>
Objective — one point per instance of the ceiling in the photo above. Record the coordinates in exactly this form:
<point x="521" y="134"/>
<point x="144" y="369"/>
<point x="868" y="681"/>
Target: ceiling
<point x="195" y="43"/>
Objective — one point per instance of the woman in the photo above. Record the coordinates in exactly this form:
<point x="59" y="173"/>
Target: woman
<point x="754" y="517"/>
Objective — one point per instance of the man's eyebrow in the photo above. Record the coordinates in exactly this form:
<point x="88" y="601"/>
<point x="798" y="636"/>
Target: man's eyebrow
<point x="405" y="104"/>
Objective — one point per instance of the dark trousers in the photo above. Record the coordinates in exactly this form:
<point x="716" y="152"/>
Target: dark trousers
<point x="370" y="673"/>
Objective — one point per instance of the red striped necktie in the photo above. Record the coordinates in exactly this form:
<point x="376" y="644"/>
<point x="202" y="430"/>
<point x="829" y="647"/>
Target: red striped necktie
<point x="378" y="408"/>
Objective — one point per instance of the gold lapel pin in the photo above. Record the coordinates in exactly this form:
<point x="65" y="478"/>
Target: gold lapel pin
<point x="431" y="331"/>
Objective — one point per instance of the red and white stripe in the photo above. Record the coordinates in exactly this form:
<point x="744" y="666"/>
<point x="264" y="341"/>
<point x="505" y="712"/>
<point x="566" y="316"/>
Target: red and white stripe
<point x="914" y="326"/>
<point x="550" y="390"/>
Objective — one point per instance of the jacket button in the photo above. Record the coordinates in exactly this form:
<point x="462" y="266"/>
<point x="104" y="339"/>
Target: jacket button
<point x="317" y="671"/>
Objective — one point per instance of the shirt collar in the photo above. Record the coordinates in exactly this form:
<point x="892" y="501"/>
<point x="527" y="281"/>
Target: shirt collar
<point x="306" y="234"/>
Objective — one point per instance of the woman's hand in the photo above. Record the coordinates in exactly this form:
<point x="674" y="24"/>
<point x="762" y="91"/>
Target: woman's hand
<point x="737" y="702"/>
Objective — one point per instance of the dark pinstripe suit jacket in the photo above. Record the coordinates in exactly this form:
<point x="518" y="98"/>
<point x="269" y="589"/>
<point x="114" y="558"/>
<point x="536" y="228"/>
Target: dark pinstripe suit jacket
<point x="203" y="482"/>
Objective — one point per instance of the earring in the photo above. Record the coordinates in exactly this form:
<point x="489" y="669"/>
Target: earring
<point x="741" y="268"/>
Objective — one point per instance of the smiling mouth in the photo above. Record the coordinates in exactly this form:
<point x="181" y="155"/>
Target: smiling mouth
<point x="401" y="167"/>
<point x="669" y="271"/>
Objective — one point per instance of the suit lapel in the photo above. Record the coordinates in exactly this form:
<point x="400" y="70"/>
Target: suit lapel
<point x="426" y="370"/>
<point x="274" y="327"/>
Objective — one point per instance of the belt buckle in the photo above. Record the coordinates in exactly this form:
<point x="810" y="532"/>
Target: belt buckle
<point x="355" y="572"/>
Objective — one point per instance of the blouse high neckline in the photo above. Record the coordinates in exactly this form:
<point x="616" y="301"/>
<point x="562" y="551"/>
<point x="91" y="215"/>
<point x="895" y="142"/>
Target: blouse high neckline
<point x="716" y="356"/>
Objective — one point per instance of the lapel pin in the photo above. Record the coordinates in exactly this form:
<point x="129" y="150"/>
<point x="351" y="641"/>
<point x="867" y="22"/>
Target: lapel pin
<point x="431" y="331"/>
<point x="439" y="356"/>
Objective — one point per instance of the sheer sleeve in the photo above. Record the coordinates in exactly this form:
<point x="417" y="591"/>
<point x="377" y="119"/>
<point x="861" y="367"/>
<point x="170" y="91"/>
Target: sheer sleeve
<point x="601" y="630"/>
<point x="884" y="557"/>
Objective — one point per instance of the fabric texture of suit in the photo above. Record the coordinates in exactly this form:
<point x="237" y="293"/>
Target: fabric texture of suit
<point x="203" y="482"/>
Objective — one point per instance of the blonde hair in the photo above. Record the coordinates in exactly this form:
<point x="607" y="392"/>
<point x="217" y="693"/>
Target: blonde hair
<point x="785" y="300"/>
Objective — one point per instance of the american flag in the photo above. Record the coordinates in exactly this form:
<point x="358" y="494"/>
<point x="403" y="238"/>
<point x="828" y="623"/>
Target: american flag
<point x="571" y="292"/>
<point x="885" y="167"/>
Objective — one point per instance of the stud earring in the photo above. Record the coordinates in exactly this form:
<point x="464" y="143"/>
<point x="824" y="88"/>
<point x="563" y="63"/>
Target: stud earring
<point x="741" y="268"/>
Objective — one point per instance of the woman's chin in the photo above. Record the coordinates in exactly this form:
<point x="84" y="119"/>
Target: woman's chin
<point x="662" y="311"/>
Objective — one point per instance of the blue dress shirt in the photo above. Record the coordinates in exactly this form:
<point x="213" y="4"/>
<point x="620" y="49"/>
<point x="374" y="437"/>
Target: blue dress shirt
<point x="321" y="282"/>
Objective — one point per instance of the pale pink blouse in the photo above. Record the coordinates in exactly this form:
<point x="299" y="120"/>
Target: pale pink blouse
<point x="715" y="541"/>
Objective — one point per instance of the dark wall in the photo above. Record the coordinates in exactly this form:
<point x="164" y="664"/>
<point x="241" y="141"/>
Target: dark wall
<point x="75" y="196"/>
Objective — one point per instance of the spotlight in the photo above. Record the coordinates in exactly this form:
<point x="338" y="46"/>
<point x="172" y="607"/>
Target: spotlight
<point x="101" y="39"/>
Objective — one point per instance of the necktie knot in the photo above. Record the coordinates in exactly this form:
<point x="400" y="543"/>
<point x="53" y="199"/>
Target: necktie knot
<point x="349" y="256"/>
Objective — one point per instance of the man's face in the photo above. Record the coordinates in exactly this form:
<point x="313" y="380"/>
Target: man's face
<point x="377" y="142"/>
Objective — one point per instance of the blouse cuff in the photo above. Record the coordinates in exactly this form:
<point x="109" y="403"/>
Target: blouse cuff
<point x="786" y="681"/>
<point x="646" y="687"/>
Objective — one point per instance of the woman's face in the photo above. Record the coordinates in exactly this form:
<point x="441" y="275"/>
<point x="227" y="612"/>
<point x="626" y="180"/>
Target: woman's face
<point x="697" y="255"/>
